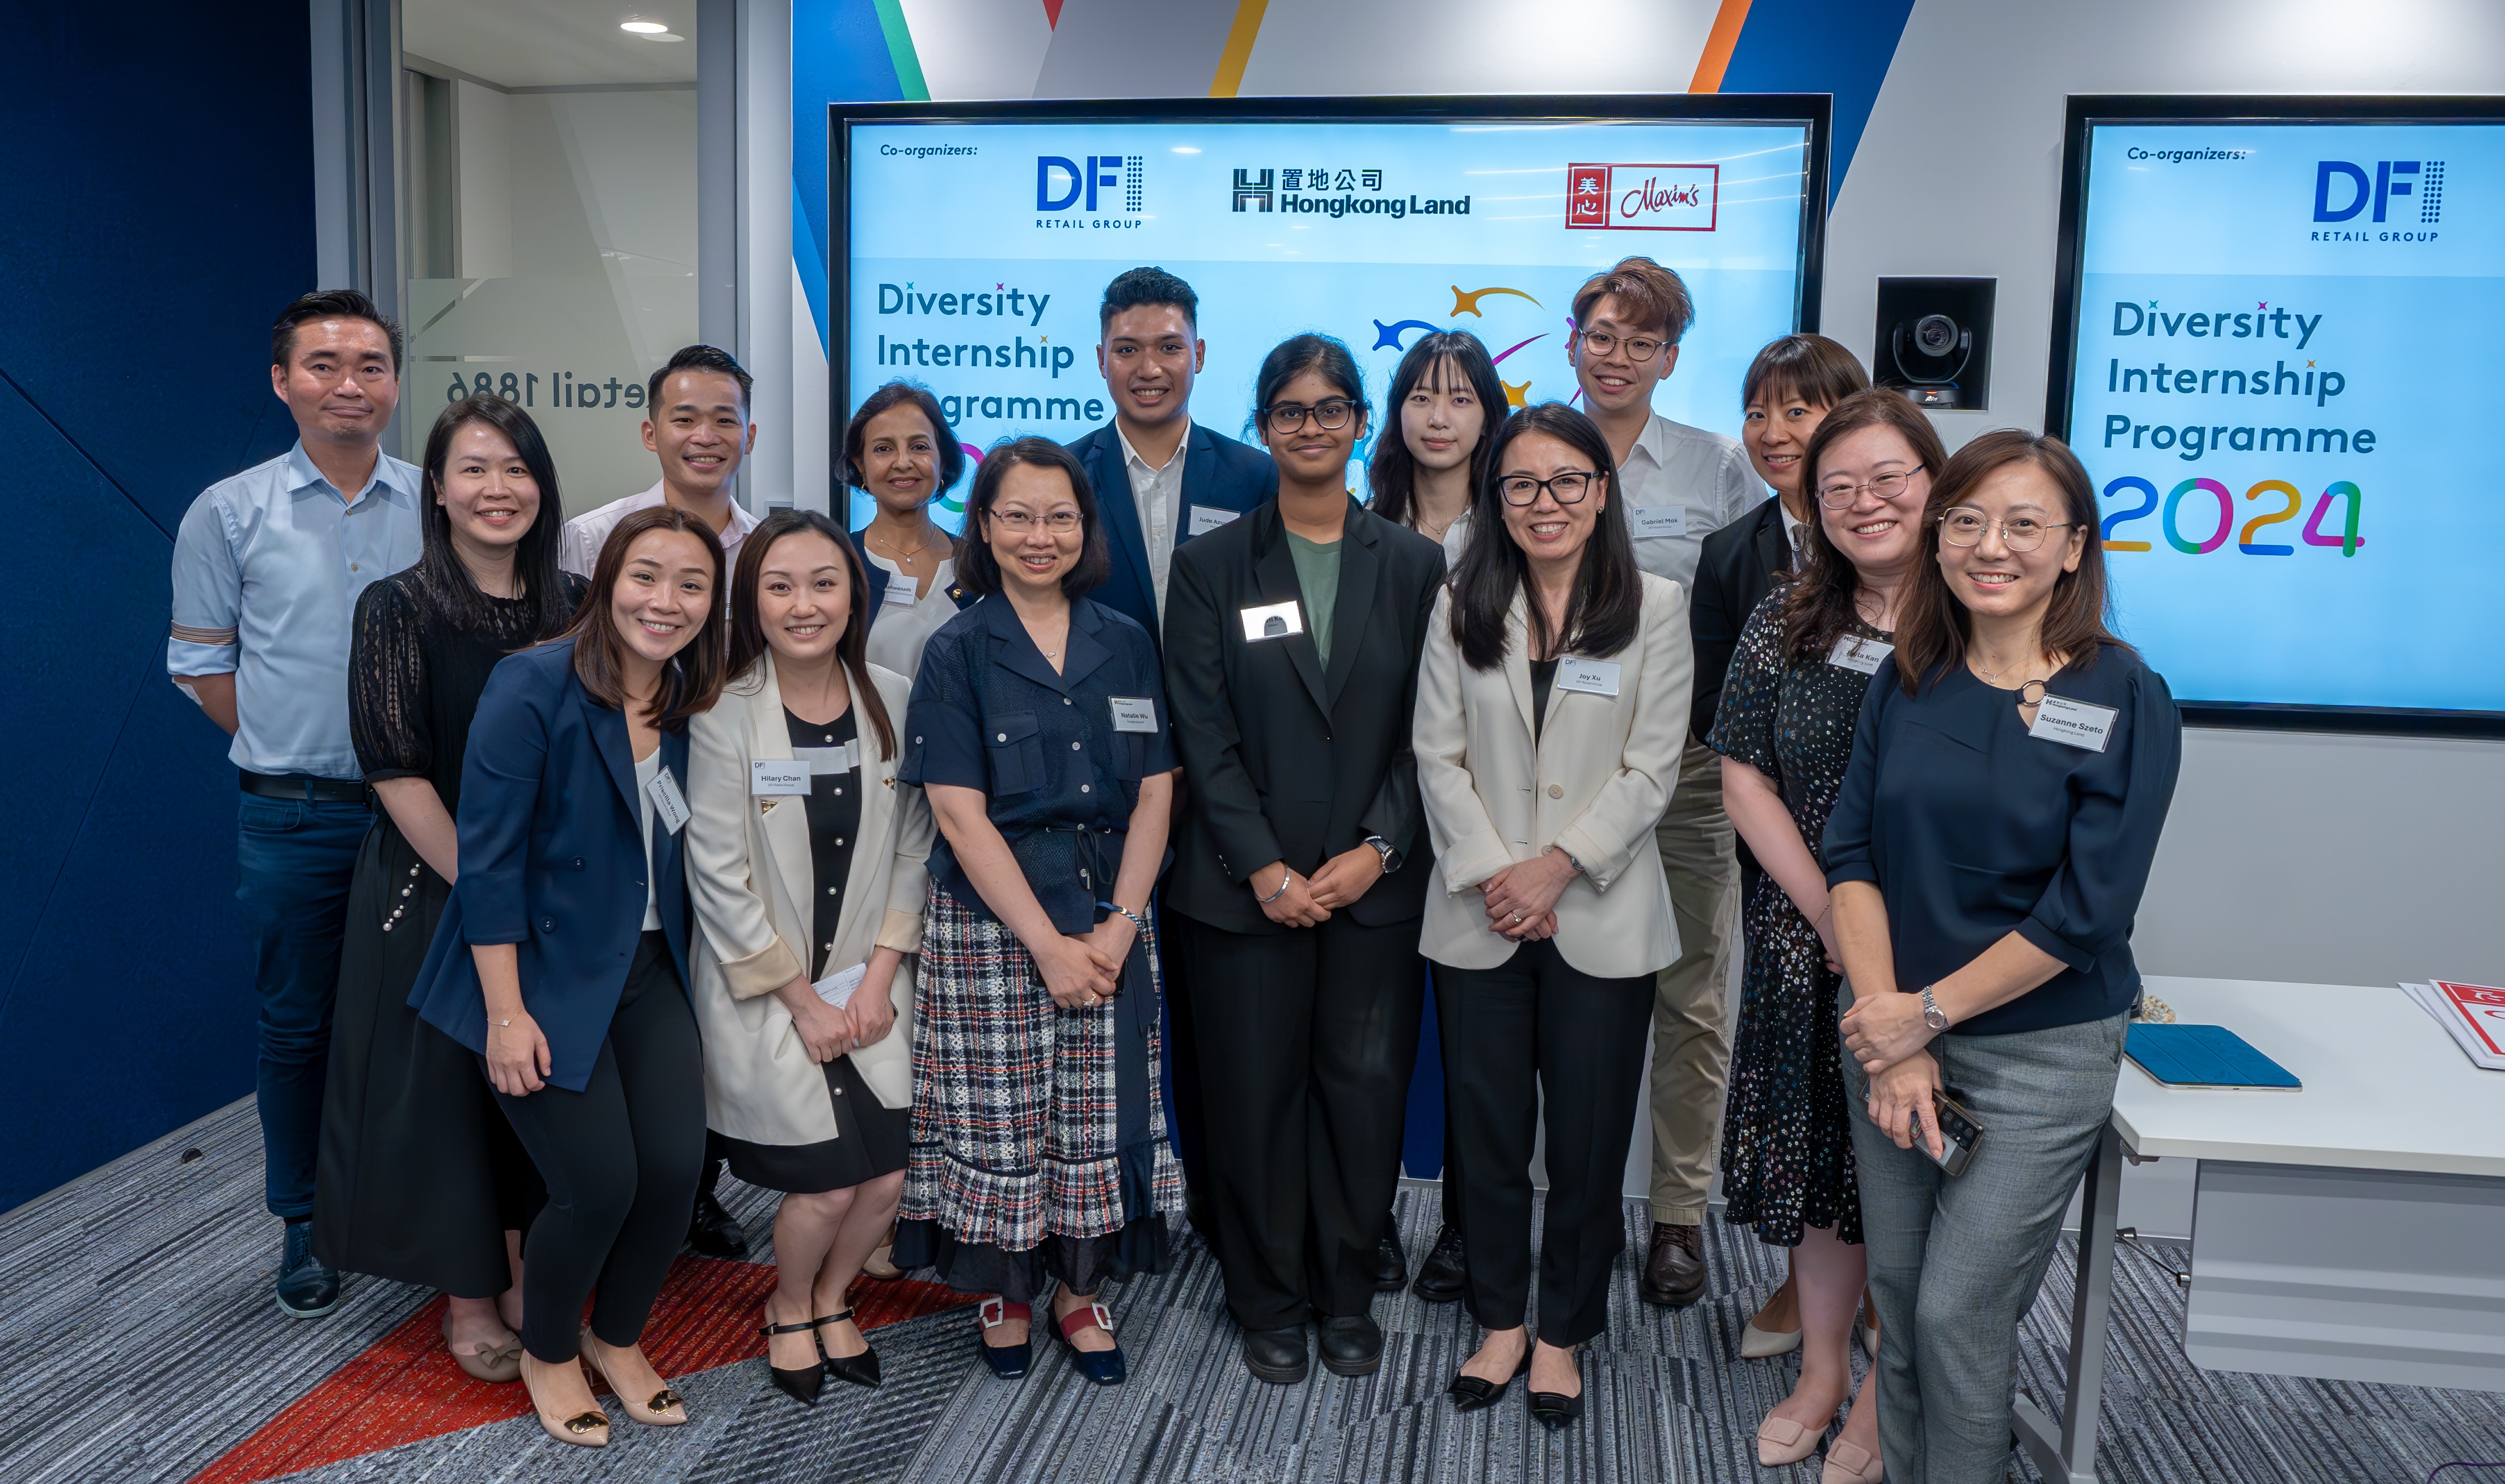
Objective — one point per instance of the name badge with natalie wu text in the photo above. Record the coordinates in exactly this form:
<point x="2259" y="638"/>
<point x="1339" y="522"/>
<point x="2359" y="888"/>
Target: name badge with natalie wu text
<point x="669" y="805"/>
<point x="1855" y="653"/>
<point x="1205" y="519"/>
<point x="1650" y="520"/>
<point x="1273" y="620"/>
<point x="1135" y="713"/>
<point x="778" y="775"/>
<point x="2081" y="725"/>
<point x="1591" y="677"/>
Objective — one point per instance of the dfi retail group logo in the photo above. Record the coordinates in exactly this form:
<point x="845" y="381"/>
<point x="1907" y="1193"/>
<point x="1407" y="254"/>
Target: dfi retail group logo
<point x="2342" y="189"/>
<point x="1061" y="182"/>
<point x="1650" y="197"/>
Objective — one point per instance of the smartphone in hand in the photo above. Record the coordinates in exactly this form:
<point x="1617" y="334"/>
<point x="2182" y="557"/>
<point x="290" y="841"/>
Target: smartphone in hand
<point x="1959" y="1133"/>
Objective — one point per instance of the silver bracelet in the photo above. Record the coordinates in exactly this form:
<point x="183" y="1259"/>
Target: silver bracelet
<point x="1287" y="874"/>
<point x="1136" y="921"/>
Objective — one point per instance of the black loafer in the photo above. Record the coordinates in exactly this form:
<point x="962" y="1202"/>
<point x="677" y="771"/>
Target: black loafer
<point x="1469" y="1393"/>
<point x="308" y="1288"/>
<point x="1391" y="1262"/>
<point x="1441" y="1278"/>
<point x="712" y="1233"/>
<point x="1276" y="1355"/>
<point x="1351" y="1345"/>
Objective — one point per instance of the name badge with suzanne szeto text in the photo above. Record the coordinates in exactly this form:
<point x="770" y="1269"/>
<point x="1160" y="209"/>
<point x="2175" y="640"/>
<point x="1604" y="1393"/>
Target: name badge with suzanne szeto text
<point x="1205" y="519"/>
<point x="777" y="776"/>
<point x="1657" y="520"/>
<point x="669" y="805"/>
<point x="1275" y="621"/>
<point x="1134" y="713"/>
<point x="1591" y="677"/>
<point x="1855" y="653"/>
<point x="2081" y="725"/>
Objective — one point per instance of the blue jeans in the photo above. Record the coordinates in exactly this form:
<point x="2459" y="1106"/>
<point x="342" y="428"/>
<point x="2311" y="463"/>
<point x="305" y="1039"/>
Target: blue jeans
<point x="296" y="857"/>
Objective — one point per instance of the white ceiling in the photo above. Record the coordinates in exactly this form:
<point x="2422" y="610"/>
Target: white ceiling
<point x="552" y="43"/>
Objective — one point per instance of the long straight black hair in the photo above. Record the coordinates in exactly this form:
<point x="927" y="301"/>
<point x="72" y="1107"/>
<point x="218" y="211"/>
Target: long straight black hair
<point x="748" y="642"/>
<point x="445" y="584"/>
<point x="1606" y="606"/>
<point x="1443" y="357"/>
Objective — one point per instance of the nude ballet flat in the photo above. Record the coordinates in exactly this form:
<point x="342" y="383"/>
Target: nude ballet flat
<point x="1851" y="1464"/>
<point x="1757" y="1344"/>
<point x="1781" y="1440"/>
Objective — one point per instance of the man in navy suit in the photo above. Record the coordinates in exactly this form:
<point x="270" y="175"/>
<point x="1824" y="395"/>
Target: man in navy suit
<point x="1161" y="478"/>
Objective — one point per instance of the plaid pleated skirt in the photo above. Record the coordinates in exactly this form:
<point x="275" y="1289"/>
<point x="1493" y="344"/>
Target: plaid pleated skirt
<point x="1027" y="1115"/>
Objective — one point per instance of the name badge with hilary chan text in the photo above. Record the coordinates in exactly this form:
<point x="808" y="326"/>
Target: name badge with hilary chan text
<point x="1591" y="677"/>
<point x="777" y="776"/>
<point x="1273" y="621"/>
<point x="2083" y="724"/>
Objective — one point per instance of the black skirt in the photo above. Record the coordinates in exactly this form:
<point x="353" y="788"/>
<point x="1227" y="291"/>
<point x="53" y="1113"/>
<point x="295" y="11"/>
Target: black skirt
<point x="420" y="1176"/>
<point x="869" y="1142"/>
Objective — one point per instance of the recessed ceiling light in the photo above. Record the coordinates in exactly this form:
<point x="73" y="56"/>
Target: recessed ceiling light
<point x="644" y="27"/>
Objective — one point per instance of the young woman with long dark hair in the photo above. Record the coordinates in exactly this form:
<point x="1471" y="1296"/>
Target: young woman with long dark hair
<point x="1445" y="405"/>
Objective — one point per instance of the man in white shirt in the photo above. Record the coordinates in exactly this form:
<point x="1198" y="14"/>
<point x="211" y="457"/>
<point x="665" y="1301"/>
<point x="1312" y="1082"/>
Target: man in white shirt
<point x="1678" y="485"/>
<point x="695" y="420"/>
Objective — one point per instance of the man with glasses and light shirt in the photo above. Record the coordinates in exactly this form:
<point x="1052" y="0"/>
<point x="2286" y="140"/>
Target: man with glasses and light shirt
<point x="267" y="568"/>
<point x="1680" y="485"/>
<point x="695" y="419"/>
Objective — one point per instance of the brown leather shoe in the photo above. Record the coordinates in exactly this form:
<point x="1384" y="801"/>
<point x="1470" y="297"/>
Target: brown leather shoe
<point x="1675" y="1271"/>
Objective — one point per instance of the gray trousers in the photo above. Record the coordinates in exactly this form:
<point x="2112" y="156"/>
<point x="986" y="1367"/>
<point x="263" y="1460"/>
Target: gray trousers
<point x="1691" y="1000"/>
<point x="1955" y="1262"/>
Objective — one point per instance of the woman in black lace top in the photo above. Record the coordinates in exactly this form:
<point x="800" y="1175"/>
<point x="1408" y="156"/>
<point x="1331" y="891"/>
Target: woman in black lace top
<point x="420" y="1177"/>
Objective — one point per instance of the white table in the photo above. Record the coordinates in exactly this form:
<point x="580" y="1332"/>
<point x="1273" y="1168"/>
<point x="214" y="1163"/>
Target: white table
<point x="2353" y="1229"/>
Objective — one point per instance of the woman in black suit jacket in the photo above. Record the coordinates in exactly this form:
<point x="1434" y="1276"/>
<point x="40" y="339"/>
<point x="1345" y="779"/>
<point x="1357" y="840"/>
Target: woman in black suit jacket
<point x="1292" y="638"/>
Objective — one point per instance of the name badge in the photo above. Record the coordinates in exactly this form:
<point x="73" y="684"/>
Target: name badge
<point x="1205" y="519"/>
<point x="1276" y="620"/>
<point x="826" y="761"/>
<point x="1650" y="520"/>
<point x="836" y="988"/>
<point x="668" y="803"/>
<point x="1591" y="677"/>
<point x="899" y="591"/>
<point x="1855" y="653"/>
<point x="2081" y="725"/>
<point x="769" y="775"/>
<point x="1135" y="713"/>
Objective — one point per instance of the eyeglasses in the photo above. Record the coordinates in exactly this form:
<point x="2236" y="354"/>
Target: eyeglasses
<point x="1019" y="522"/>
<point x="1638" y="348"/>
<point x="1332" y="415"/>
<point x="1567" y="488"/>
<point x="1963" y="526"/>
<point x="1840" y="495"/>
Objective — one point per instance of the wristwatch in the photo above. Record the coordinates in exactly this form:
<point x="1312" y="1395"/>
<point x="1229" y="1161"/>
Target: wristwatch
<point x="1932" y="1015"/>
<point x="1382" y="848"/>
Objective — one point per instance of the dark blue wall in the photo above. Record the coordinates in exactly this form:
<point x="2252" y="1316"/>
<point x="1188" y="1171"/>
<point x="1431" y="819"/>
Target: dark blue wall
<point x="155" y="211"/>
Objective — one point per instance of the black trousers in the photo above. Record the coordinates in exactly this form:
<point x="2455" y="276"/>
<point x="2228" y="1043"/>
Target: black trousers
<point x="621" y="1160"/>
<point x="1534" y="1025"/>
<point x="1306" y="1039"/>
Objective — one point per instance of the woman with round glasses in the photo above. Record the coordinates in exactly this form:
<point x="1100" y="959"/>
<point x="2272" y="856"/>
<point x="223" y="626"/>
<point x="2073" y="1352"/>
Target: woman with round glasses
<point x="2010" y="776"/>
<point x="1785" y="731"/>
<point x="1552" y="712"/>
<point x="1037" y="731"/>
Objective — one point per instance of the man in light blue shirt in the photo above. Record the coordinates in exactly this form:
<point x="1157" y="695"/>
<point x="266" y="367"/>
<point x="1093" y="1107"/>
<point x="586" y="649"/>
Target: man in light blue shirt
<point x="267" y="567"/>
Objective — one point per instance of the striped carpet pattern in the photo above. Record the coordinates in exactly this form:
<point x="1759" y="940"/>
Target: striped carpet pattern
<point x="143" y="1346"/>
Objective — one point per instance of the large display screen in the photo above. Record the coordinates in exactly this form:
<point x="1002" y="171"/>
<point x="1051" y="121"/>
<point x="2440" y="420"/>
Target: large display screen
<point x="973" y="246"/>
<point x="2275" y="329"/>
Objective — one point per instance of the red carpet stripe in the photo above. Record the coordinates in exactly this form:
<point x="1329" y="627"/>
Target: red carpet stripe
<point x="405" y="1387"/>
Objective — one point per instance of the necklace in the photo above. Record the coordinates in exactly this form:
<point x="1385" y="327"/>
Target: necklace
<point x="902" y="558"/>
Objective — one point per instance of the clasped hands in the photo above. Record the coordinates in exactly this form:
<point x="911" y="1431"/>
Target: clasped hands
<point x="1885" y="1033"/>
<point x="1522" y="898"/>
<point x="826" y="1031"/>
<point x="1308" y="902"/>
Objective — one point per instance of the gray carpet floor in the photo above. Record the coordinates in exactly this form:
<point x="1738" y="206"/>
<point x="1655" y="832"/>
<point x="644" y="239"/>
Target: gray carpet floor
<point x="138" y="1333"/>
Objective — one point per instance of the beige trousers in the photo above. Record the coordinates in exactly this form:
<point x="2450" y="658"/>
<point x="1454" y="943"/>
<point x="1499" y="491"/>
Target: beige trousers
<point x="1691" y="1049"/>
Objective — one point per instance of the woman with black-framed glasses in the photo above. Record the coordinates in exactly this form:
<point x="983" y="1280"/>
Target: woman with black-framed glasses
<point x="2011" y="772"/>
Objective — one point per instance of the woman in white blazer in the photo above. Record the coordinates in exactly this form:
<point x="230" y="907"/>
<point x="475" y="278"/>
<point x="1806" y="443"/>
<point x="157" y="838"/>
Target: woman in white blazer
<point x="1552" y="710"/>
<point x="806" y="863"/>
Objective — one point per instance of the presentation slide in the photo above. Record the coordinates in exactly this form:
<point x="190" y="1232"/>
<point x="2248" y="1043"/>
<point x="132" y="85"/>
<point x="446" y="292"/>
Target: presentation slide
<point x="2279" y="342"/>
<point x="978" y="252"/>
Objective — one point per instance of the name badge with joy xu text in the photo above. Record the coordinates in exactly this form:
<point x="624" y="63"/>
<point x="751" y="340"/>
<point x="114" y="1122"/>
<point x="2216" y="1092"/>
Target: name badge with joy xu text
<point x="1591" y="677"/>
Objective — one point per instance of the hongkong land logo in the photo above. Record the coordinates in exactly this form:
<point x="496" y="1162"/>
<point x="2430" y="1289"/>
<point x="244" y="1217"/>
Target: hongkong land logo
<point x="2342" y="190"/>
<point x="1655" y="198"/>
<point x="1063" y="184"/>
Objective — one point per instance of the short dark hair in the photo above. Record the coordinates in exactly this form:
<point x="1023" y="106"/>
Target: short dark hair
<point x="952" y="453"/>
<point x="748" y="642"/>
<point x="978" y="569"/>
<point x="1393" y="471"/>
<point x="1606" y="607"/>
<point x="1297" y="354"/>
<point x="1809" y="367"/>
<point x="1146" y="286"/>
<point x="1655" y="296"/>
<point x="691" y="682"/>
<point x="444" y="583"/>
<point x="698" y="358"/>
<point x="331" y="304"/>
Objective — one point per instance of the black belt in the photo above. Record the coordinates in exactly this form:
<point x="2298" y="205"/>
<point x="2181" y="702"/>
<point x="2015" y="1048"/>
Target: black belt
<point x="323" y="790"/>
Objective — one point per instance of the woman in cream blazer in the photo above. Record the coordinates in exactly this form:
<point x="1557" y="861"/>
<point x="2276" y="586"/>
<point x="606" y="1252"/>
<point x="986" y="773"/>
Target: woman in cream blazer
<point x="806" y="863"/>
<point x="1552" y="711"/>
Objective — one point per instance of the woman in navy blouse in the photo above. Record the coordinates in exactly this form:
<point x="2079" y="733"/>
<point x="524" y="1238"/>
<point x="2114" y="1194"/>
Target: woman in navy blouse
<point x="2010" y="776"/>
<point x="1037" y="731"/>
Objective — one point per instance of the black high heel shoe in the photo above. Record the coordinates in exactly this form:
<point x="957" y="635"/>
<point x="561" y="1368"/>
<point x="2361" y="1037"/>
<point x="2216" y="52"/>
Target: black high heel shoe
<point x="1553" y="1409"/>
<point x="1007" y="1362"/>
<point x="1470" y="1394"/>
<point x="803" y="1384"/>
<point x="859" y="1371"/>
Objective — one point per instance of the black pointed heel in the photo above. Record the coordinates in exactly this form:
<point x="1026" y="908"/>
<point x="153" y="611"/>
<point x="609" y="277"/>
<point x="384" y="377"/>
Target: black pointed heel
<point x="1470" y="1394"/>
<point x="859" y="1371"/>
<point x="802" y="1385"/>
<point x="1556" y="1411"/>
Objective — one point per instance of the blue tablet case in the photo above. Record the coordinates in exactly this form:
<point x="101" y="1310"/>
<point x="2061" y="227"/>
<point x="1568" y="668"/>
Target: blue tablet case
<point x="2202" y="1056"/>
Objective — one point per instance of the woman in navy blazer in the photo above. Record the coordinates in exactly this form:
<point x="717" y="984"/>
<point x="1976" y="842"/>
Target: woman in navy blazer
<point x="562" y="960"/>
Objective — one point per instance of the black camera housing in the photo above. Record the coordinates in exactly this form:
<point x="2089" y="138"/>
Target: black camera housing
<point x="1934" y="340"/>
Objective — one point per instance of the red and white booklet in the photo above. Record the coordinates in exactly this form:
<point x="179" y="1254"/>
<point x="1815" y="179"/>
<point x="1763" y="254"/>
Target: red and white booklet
<point x="2472" y="1014"/>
